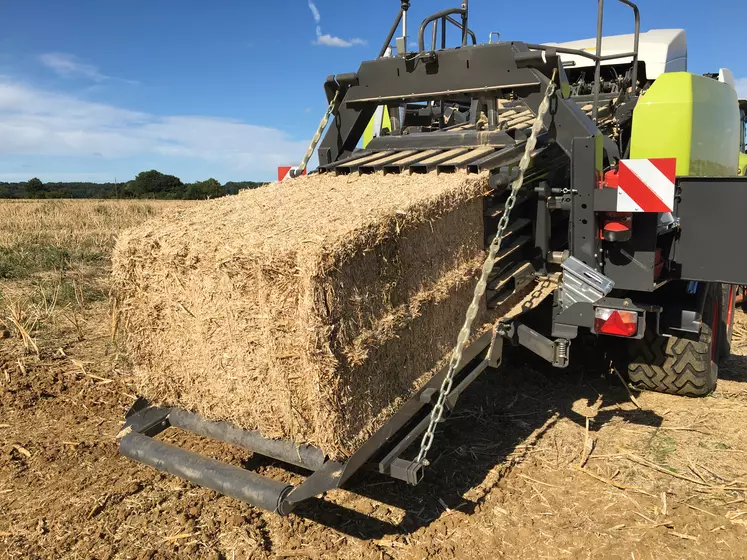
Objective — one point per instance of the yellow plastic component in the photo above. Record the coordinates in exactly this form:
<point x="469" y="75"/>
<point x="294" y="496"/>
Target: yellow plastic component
<point x="692" y="118"/>
<point x="384" y="123"/>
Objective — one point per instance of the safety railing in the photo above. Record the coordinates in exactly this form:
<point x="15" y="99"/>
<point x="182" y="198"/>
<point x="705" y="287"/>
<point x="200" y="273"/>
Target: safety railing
<point x="445" y="17"/>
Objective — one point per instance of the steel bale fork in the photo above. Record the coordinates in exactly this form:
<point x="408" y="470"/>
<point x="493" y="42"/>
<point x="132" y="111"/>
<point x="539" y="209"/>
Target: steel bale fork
<point x="382" y="451"/>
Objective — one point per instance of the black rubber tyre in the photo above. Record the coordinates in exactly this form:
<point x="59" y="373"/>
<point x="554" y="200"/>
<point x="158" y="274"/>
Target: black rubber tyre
<point x="675" y="365"/>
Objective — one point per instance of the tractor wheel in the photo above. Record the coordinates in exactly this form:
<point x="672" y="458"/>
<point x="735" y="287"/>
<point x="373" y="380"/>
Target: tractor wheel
<point x="677" y="365"/>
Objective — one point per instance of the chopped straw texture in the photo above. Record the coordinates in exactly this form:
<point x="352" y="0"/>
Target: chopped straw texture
<point x="307" y="309"/>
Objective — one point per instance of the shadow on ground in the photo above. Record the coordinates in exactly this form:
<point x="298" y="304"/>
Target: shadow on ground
<point x="500" y="414"/>
<point x="734" y="368"/>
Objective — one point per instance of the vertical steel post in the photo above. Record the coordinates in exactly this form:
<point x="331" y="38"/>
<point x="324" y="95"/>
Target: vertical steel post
<point x="465" y="21"/>
<point x="598" y="62"/>
<point x="636" y="40"/>
<point x="491" y="103"/>
<point x="586" y="170"/>
<point x="395" y="119"/>
<point x="543" y="225"/>
<point x="442" y="119"/>
<point x="404" y="24"/>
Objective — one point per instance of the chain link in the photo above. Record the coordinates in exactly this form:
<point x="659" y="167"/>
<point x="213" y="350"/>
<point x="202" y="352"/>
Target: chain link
<point x="298" y="171"/>
<point x="495" y="247"/>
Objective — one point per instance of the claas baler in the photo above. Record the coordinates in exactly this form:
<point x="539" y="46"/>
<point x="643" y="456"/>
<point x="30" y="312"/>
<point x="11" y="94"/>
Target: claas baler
<point x="613" y="186"/>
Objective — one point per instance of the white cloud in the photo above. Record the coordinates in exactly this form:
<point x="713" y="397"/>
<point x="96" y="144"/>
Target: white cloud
<point x="326" y="39"/>
<point x="68" y="65"/>
<point x="741" y="85"/>
<point x="330" y="41"/>
<point x="315" y="12"/>
<point x="35" y="122"/>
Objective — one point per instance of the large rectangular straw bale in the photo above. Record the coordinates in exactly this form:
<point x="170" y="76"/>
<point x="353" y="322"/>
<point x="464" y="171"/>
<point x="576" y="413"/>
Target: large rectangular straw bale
<point x="306" y="309"/>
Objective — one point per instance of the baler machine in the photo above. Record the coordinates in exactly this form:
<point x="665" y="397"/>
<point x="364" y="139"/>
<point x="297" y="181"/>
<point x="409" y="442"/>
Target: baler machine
<point x="633" y="232"/>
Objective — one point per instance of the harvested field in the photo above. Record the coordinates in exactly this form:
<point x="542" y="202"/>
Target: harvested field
<point x="299" y="309"/>
<point x="662" y="482"/>
<point x="45" y="235"/>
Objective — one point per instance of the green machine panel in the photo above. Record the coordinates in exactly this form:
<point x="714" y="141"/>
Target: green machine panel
<point x="692" y="118"/>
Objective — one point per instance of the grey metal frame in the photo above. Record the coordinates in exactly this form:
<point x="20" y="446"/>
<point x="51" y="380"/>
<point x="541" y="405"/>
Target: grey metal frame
<point x="384" y="451"/>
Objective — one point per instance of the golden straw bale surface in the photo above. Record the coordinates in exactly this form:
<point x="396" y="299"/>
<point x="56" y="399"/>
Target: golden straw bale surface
<point x="306" y="309"/>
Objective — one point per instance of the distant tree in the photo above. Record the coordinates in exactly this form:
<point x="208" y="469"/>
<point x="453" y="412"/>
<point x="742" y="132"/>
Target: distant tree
<point x="148" y="184"/>
<point x="128" y="190"/>
<point x="59" y="193"/>
<point x="200" y="190"/>
<point x="12" y="190"/>
<point x="154" y="184"/>
<point x="35" y="188"/>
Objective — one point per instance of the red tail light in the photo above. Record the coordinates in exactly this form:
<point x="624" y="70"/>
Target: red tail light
<point x="615" y="322"/>
<point x="616" y="226"/>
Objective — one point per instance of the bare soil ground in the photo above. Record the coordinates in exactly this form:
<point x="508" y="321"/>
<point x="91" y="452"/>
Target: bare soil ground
<point x="516" y="472"/>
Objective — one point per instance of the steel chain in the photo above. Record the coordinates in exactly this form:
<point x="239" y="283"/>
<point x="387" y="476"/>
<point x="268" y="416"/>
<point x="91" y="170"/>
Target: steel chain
<point x="495" y="247"/>
<point x="298" y="171"/>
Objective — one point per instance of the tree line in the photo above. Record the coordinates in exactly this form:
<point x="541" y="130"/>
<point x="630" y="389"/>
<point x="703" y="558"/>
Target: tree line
<point x="147" y="184"/>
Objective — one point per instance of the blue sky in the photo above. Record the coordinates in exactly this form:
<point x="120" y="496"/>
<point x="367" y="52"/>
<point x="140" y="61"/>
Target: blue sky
<point x="93" y="90"/>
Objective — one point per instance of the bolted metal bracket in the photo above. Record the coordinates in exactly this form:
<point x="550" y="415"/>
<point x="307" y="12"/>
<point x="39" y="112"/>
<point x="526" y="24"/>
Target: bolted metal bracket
<point x="401" y="44"/>
<point x="409" y="471"/>
<point x="582" y="284"/>
<point x="554" y="351"/>
<point x="495" y="353"/>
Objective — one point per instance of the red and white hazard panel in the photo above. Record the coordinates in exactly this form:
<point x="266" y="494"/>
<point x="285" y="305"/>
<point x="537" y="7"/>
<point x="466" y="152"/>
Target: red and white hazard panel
<point x="284" y="173"/>
<point x="646" y="185"/>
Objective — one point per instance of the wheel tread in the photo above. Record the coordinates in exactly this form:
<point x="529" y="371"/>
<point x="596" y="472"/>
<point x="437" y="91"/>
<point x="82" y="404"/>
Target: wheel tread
<point x="673" y="365"/>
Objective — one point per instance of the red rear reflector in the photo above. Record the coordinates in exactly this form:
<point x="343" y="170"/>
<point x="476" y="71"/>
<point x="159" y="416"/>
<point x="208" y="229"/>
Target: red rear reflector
<point x="615" y="322"/>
